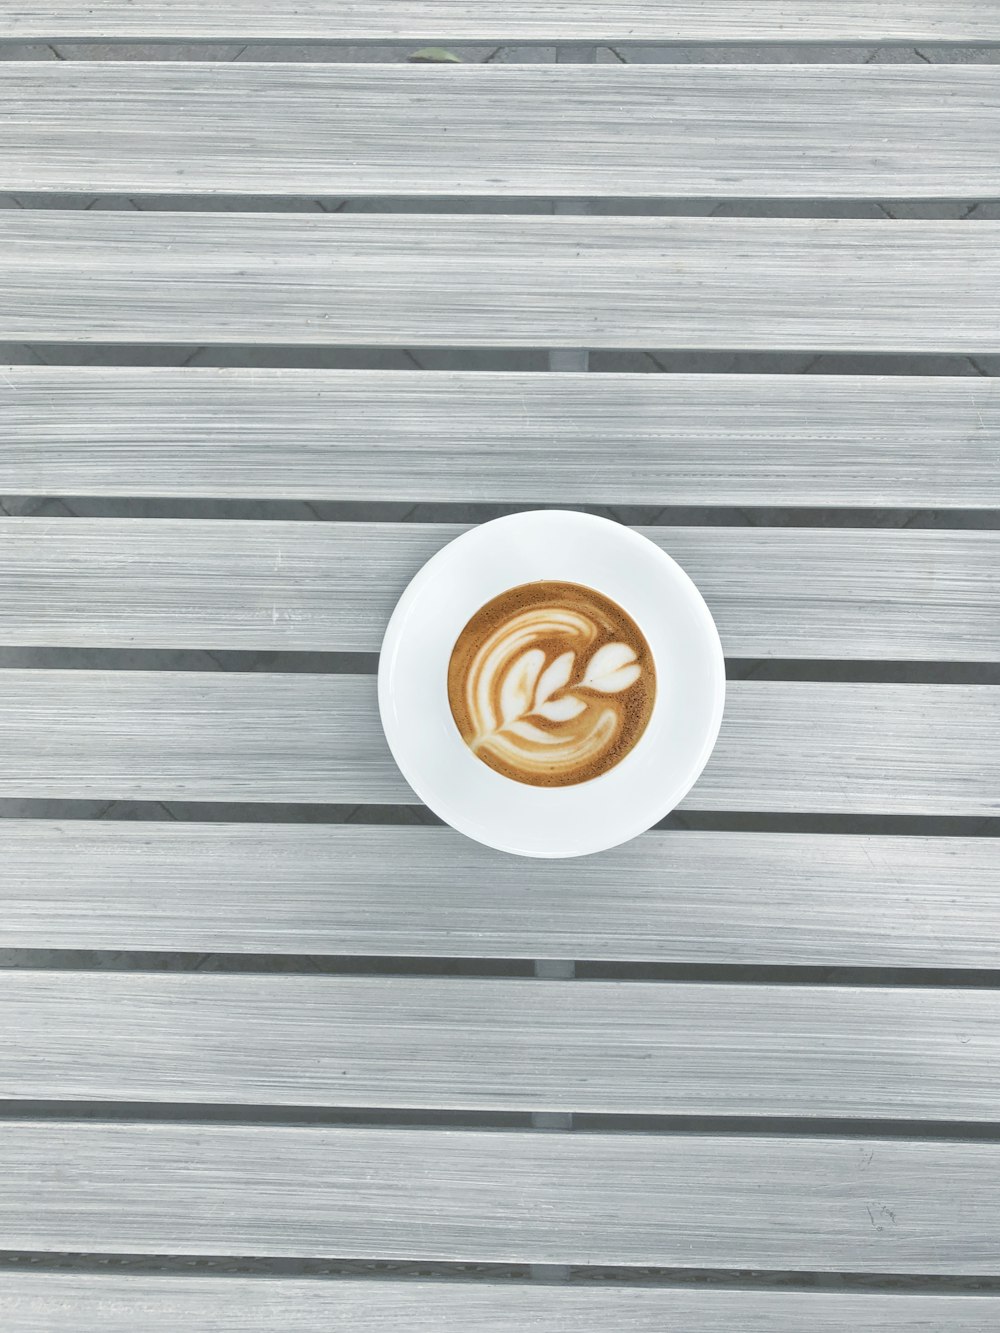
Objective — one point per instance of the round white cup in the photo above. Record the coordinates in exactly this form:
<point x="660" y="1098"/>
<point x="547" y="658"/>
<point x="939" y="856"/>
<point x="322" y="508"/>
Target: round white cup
<point x="572" y="548"/>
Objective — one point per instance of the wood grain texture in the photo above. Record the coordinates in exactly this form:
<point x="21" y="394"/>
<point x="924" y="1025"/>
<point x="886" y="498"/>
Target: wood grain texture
<point x="861" y="1205"/>
<point x="965" y="21"/>
<point x="501" y="1045"/>
<point x="693" y="897"/>
<point x="837" y="131"/>
<point x="45" y="1302"/>
<point x="888" y="749"/>
<point x="410" y="280"/>
<point x="864" y="441"/>
<point x="784" y="592"/>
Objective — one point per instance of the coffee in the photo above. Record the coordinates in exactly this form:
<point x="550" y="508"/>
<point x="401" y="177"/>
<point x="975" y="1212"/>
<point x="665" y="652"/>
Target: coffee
<point x="551" y="683"/>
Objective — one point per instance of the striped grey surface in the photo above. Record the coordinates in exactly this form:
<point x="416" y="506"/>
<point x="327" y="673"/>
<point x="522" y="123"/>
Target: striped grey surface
<point x="681" y="896"/>
<point x="43" y="1302"/>
<point x="964" y="21"/>
<point x="774" y="592"/>
<point x="847" y="440"/>
<point x="620" y="1047"/>
<point x="515" y="281"/>
<point x="788" y="746"/>
<point x="864" y="1205"/>
<point x="267" y="1047"/>
<point x="549" y="130"/>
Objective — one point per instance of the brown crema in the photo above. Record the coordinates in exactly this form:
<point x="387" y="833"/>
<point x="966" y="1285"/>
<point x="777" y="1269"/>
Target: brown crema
<point x="551" y="684"/>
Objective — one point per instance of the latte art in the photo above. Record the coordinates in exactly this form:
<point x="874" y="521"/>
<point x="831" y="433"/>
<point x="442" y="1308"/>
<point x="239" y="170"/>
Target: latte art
<point x="551" y="683"/>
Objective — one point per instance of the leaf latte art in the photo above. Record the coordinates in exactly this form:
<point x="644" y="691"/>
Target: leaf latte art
<point x="551" y="683"/>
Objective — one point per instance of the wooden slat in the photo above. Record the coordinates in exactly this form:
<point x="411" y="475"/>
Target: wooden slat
<point x="401" y="280"/>
<point x="864" y="1205"/>
<point x="639" y="131"/>
<point x="46" y="1302"/>
<point x="782" y="592"/>
<point x="785" y="746"/>
<point x="671" y="897"/>
<point x="966" y="21"/>
<point x="501" y="1044"/>
<point x="567" y="439"/>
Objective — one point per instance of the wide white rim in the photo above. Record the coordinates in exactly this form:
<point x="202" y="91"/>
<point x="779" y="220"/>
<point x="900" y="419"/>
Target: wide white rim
<point x="647" y="812"/>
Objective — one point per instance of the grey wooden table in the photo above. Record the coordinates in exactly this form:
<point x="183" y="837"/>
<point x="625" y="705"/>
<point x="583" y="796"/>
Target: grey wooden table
<point x="284" y="1054"/>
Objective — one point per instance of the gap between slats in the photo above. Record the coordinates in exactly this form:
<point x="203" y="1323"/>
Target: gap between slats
<point x="160" y="1292"/>
<point x="817" y="670"/>
<point x="74" y="810"/>
<point x="149" y="1115"/>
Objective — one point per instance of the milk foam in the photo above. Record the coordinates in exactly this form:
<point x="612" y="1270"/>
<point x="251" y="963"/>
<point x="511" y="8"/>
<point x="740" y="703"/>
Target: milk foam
<point x="551" y="683"/>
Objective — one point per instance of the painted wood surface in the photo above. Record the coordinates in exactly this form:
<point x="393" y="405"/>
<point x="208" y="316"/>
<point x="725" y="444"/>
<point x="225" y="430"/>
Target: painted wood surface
<point x="859" y="440"/>
<point x="407" y="280"/>
<point x="749" y="131"/>
<point x="625" y="1047"/>
<point x="863" y="1204"/>
<point x="779" y="592"/>
<point x="692" y="897"/>
<point x="965" y="21"/>
<point x="44" y="1302"/>
<point x="890" y="749"/>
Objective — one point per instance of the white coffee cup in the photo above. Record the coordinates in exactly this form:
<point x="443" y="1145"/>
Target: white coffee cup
<point x="558" y="546"/>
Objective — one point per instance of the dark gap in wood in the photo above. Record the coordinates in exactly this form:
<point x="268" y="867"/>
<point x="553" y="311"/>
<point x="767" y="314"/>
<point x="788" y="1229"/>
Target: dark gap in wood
<point x="154" y="960"/>
<point x="70" y="1112"/>
<point x="136" y="1265"/>
<point x="456" y="1272"/>
<point x="524" y="359"/>
<point x="937" y="1131"/>
<point x="221" y="812"/>
<point x="212" y="658"/>
<point x="216" y="812"/>
<point x="204" y="1113"/>
<point x="777" y="974"/>
<point x="818" y="207"/>
<point x="872" y="672"/>
<point x="440" y="967"/>
<point x="308" y="508"/>
<point x="754" y="821"/>
<point x="808" y="47"/>
<point x="192" y="659"/>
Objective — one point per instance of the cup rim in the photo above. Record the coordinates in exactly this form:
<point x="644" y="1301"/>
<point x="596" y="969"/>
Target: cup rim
<point x="635" y="806"/>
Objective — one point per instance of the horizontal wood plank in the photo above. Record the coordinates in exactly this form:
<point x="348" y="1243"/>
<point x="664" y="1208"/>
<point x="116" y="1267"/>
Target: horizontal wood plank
<point x="782" y="592"/>
<point x="966" y="21"/>
<point x="855" y="1204"/>
<point x="501" y="1045"/>
<point x="836" y="131"/>
<point x="889" y="749"/>
<point x="690" y="897"/>
<point x="46" y="1302"/>
<point x="410" y="280"/>
<point x="863" y="441"/>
